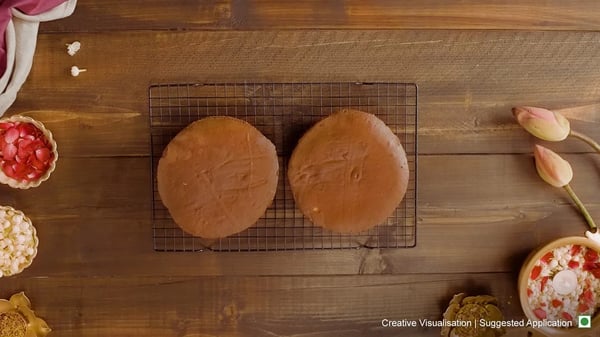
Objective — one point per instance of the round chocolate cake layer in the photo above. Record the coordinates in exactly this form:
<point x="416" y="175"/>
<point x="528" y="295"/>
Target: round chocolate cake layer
<point x="218" y="176"/>
<point x="349" y="172"/>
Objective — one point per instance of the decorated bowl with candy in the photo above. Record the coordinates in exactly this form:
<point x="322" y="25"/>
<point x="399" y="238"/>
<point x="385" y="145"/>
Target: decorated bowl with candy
<point x="559" y="286"/>
<point x="27" y="152"/>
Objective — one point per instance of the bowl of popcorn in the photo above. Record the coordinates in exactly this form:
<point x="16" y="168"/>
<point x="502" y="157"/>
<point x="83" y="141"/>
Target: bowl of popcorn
<point x="559" y="286"/>
<point x="18" y="241"/>
<point x="28" y="152"/>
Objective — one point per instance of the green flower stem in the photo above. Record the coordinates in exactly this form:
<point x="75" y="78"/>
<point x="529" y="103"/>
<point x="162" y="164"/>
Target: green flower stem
<point x="581" y="207"/>
<point x="586" y="139"/>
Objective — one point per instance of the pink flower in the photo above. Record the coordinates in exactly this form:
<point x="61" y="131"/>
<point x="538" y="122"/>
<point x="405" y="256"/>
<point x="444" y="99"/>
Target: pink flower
<point x="551" y="167"/>
<point x="543" y="123"/>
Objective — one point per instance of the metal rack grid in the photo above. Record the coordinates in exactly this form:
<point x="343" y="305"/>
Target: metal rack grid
<point x="283" y="112"/>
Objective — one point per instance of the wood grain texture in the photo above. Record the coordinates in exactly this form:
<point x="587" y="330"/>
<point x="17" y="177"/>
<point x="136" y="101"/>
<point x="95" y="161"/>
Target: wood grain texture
<point x="482" y="207"/>
<point x="253" y="306"/>
<point x="103" y="15"/>
<point x="93" y="218"/>
<point x="468" y="81"/>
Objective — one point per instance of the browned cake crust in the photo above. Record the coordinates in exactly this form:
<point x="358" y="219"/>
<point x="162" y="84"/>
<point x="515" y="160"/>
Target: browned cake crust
<point x="349" y="172"/>
<point x="217" y="176"/>
<point x="12" y="324"/>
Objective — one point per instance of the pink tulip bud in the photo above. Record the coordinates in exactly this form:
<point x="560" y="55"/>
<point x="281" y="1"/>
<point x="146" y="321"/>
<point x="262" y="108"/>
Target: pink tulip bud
<point x="542" y="123"/>
<point x="551" y="167"/>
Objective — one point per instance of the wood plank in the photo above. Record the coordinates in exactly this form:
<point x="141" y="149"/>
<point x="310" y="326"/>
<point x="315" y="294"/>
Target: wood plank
<point x="105" y="15"/>
<point x="100" y="188"/>
<point x="480" y="213"/>
<point x="482" y="208"/>
<point x="106" y="248"/>
<point x="253" y="306"/>
<point x="468" y="81"/>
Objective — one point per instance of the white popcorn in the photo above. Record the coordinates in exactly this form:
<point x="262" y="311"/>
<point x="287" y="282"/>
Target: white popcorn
<point x="73" y="48"/>
<point x="17" y="219"/>
<point x="17" y="242"/>
<point x="23" y="226"/>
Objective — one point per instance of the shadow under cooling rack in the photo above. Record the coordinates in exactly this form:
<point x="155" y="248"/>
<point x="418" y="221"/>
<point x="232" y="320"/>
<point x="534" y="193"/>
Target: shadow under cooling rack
<point x="283" y="112"/>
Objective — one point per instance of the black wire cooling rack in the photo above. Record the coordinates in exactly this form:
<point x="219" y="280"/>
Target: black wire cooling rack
<point x="283" y="112"/>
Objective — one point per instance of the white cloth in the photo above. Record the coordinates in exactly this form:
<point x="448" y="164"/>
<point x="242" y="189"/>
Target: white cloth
<point x="21" y="39"/>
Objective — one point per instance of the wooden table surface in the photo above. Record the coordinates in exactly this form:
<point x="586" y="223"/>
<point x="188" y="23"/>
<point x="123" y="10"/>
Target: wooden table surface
<point x="481" y="206"/>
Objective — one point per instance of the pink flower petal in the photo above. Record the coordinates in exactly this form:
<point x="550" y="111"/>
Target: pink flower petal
<point x="37" y="144"/>
<point x="20" y="169"/>
<point x="8" y="170"/>
<point x="6" y="126"/>
<point x="26" y="129"/>
<point x="37" y="164"/>
<point x="9" y="151"/>
<point x="23" y="142"/>
<point x="522" y="112"/>
<point x="34" y="175"/>
<point x="551" y="167"/>
<point x="42" y="154"/>
<point x="543" y="123"/>
<point x="11" y="135"/>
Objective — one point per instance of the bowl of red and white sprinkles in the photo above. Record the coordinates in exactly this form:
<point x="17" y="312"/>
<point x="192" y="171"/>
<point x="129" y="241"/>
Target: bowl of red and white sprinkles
<point x="27" y="152"/>
<point x="559" y="285"/>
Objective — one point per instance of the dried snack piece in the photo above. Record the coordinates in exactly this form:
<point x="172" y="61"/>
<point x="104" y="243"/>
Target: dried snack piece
<point x="18" y="320"/>
<point x="472" y="308"/>
<point x="73" y="48"/>
<point x="18" y="241"/>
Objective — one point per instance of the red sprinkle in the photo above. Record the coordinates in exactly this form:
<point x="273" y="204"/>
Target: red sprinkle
<point x="556" y="303"/>
<point x="591" y="255"/>
<point x="543" y="283"/>
<point x="567" y="316"/>
<point x="575" y="249"/>
<point x="582" y="307"/>
<point x="529" y="292"/>
<point x="540" y="313"/>
<point x="535" y="272"/>
<point x="573" y="264"/>
<point x="587" y="296"/>
<point x="589" y="266"/>
<point x="548" y="257"/>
